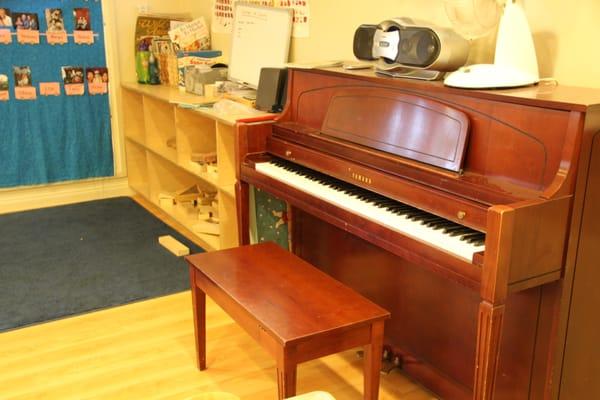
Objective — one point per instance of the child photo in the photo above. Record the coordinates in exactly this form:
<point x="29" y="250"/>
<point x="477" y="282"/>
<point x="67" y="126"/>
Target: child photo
<point x="5" y="18"/>
<point x="54" y="19"/>
<point x="22" y="76"/>
<point x="97" y="75"/>
<point x="3" y="83"/>
<point x="82" y="19"/>
<point x="72" y="75"/>
<point x="27" y="21"/>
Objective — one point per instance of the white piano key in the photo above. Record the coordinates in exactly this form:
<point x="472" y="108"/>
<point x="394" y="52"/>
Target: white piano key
<point x="399" y="223"/>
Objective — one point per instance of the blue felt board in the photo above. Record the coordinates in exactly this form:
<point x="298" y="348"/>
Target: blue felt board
<point x="61" y="138"/>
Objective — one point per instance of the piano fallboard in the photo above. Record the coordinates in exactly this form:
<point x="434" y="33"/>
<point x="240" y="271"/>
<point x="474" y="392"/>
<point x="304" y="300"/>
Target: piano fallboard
<point x="462" y="211"/>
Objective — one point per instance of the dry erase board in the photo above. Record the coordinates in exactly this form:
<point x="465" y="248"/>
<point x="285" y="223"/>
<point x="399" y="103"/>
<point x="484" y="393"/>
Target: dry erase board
<point x="260" y="38"/>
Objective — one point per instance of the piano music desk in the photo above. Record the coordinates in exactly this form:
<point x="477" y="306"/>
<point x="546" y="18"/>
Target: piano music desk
<point x="294" y="311"/>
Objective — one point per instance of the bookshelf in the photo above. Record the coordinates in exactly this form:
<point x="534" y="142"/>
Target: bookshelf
<point x="160" y="138"/>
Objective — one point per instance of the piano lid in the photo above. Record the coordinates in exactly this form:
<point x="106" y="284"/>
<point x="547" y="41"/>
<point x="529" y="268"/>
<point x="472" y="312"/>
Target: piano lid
<point x="401" y="124"/>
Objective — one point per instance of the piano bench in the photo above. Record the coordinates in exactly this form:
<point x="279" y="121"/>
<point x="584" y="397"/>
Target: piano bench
<point x="292" y="309"/>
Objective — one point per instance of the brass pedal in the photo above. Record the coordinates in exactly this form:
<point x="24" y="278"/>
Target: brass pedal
<point x="389" y="361"/>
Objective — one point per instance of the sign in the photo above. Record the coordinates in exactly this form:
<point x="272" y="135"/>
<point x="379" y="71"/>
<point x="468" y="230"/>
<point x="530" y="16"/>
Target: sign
<point x="83" y="37"/>
<point x="25" y="93"/>
<point x="97" y="88"/>
<point x="5" y="36"/>
<point x="75" y="89"/>
<point x="56" y="37"/>
<point x="49" y="89"/>
<point x="26" y="36"/>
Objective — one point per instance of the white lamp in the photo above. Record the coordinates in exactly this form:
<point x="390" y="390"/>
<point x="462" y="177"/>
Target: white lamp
<point x="515" y="61"/>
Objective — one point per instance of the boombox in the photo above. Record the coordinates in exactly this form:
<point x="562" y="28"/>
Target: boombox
<point x="404" y="47"/>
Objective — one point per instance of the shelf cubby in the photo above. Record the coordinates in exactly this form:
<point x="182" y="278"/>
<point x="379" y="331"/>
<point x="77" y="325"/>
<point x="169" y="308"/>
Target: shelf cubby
<point x="159" y="118"/>
<point x="134" y="124"/>
<point x="137" y="165"/>
<point x="152" y="119"/>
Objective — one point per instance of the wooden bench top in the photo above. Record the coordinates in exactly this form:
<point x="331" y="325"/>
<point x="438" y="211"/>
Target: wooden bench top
<point x="289" y="297"/>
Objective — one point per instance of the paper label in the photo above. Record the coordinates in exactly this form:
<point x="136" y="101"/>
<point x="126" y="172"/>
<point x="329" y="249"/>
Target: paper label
<point x="56" y="37"/>
<point x="26" y="36"/>
<point x="49" y="89"/>
<point x="5" y="36"/>
<point x="25" y="93"/>
<point x="75" y="89"/>
<point x="98" y="88"/>
<point x="4" y="95"/>
<point x="83" y="37"/>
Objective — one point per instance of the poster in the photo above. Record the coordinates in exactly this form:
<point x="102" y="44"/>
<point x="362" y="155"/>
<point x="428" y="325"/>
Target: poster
<point x="222" y="14"/>
<point x="301" y="16"/>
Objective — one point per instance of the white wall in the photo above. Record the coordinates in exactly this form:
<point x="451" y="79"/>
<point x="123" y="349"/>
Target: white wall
<point x="565" y="32"/>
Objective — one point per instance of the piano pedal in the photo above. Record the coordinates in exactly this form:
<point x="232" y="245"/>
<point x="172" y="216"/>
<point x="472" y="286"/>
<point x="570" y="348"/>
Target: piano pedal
<point x="389" y="361"/>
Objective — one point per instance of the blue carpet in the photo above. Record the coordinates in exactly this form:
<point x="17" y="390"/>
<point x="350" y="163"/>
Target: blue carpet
<point x="61" y="261"/>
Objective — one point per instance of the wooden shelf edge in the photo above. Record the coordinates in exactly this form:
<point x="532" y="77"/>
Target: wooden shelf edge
<point x="173" y="223"/>
<point x="135" y="140"/>
<point x="229" y="190"/>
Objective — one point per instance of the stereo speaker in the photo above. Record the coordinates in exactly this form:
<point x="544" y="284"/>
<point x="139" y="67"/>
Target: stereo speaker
<point x="272" y="89"/>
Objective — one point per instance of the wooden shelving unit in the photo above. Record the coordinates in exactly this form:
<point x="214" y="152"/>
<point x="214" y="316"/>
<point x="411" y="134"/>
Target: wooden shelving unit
<point x="160" y="138"/>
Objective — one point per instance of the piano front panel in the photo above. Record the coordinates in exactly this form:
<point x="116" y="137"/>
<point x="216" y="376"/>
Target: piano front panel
<point x="434" y="320"/>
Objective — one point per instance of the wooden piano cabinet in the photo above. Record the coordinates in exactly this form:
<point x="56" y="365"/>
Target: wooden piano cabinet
<point x="520" y="321"/>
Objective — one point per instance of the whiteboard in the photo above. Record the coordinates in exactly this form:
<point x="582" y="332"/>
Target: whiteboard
<point x="260" y="39"/>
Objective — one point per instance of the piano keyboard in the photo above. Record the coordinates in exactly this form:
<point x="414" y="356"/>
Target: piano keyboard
<point x="449" y="236"/>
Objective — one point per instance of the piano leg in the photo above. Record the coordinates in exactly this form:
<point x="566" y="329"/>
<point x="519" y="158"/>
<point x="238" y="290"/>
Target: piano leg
<point x="489" y="333"/>
<point x="243" y="212"/>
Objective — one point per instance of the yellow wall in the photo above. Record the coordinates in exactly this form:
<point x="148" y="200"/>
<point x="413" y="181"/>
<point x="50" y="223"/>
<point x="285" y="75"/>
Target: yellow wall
<point x="565" y="32"/>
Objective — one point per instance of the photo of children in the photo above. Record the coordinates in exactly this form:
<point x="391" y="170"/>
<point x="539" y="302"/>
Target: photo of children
<point x="22" y="76"/>
<point x="82" y="19"/>
<point x="27" y="21"/>
<point x="54" y="19"/>
<point x="97" y="75"/>
<point x="5" y="18"/>
<point x="3" y="83"/>
<point x="72" y="75"/>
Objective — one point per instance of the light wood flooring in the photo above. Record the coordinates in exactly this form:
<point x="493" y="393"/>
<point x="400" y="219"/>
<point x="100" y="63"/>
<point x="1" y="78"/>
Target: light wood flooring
<point x="145" y="350"/>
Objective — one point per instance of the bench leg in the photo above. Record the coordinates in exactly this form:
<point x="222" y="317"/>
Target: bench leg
<point x="373" y="353"/>
<point x="286" y="376"/>
<point x="199" y="307"/>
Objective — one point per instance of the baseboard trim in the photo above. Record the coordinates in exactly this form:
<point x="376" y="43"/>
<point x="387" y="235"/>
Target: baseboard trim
<point x="33" y="197"/>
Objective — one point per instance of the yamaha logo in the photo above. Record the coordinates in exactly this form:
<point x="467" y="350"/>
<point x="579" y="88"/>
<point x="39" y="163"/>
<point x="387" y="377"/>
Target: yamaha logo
<point x="361" y="178"/>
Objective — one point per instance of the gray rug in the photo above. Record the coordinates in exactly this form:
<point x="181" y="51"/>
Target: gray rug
<point x="67" y="260"/>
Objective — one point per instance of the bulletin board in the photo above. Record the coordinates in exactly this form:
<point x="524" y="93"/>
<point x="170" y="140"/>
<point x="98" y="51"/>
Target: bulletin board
<point x="54" y="138"/>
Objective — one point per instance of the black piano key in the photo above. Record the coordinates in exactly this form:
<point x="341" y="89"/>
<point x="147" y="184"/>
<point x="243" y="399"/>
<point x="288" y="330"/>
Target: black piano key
<point x="433" y="223"/>
<point x="453" y="228"/>
<point x="473" y="238"/>
<point x="479" y="242"/>
<point x="430" y="218"/>
<point x="417" y="214"/>
<point x="400" y="207"/>
<point x="462" y="231"/>
<point x="386" y="203"/>
<point x="443" y="224"/>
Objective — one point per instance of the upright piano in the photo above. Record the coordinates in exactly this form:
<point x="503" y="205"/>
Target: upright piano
<point x="461" y="212"/>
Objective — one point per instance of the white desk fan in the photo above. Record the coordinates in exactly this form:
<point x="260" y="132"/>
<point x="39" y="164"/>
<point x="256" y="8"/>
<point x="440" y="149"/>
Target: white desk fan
<point x="515" y="61"/>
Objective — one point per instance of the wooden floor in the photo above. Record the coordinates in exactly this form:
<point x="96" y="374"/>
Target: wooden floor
<point x="145" y="351"/>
